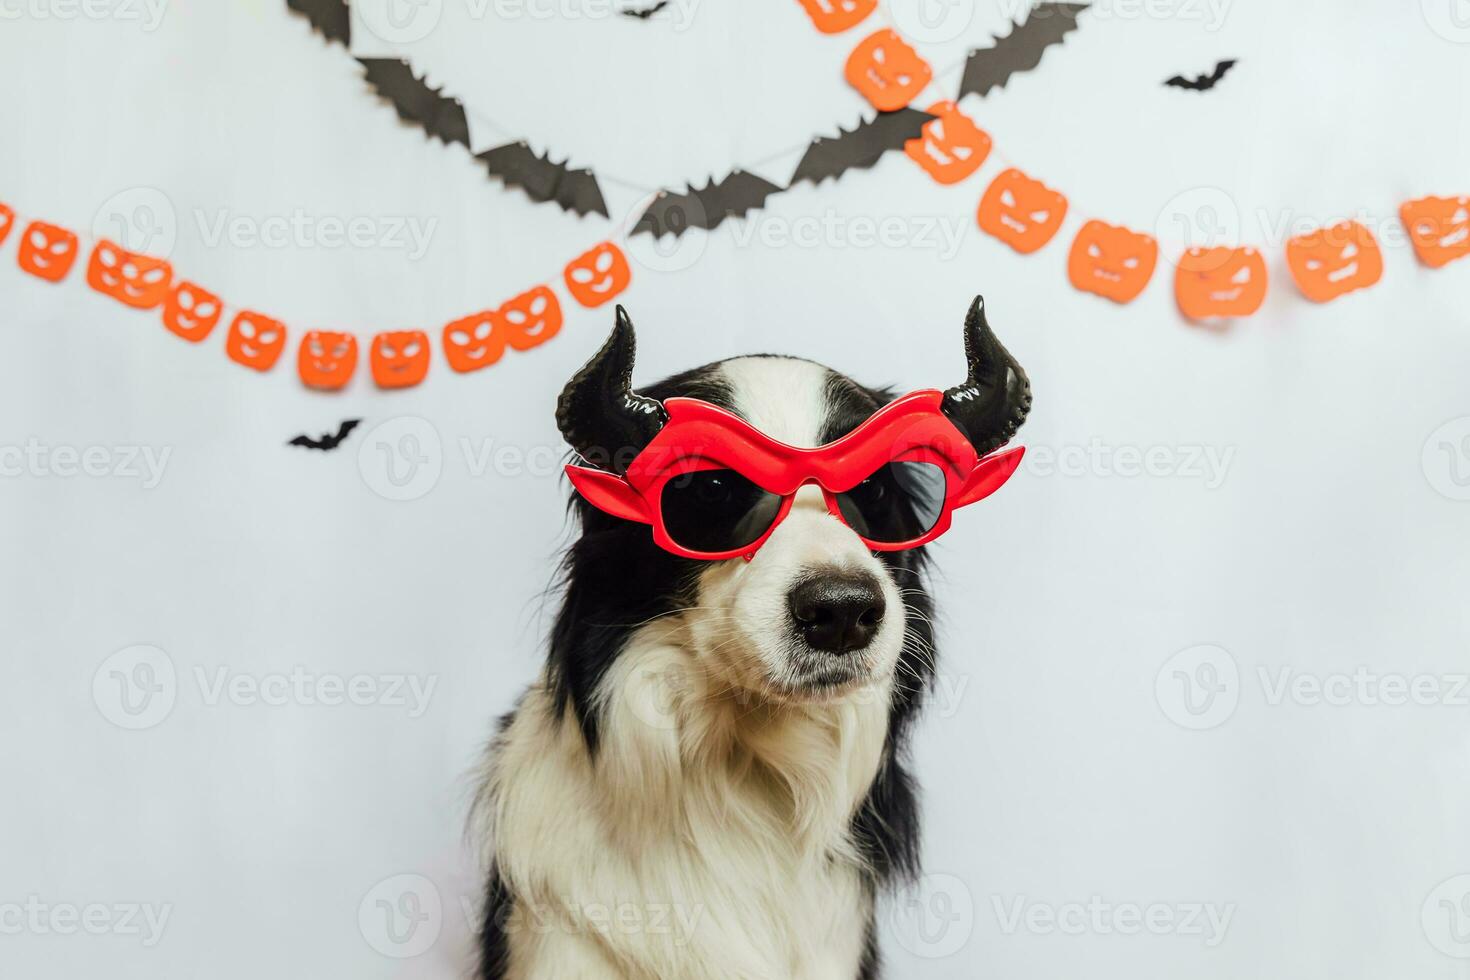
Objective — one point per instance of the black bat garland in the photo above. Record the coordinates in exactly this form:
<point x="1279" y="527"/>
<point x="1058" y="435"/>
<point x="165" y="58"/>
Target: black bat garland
<point x="543" y="180"/>
<point x="1202" y="83"/>
<point x="860" y="147"/>
<point x="705" y="207"/>
<point x="416" y="103"/>
<point x="328" y="441"/>
<point x="1021" y="50"/>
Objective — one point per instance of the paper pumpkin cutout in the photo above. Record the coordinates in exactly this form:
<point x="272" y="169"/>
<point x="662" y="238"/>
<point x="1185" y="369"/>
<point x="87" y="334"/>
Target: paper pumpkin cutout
<point x="473" y="342"/>
<point x="1330" y="262"/>
<point x="1021" y="212"/>
<point x="326" y="359"/>
<point x="7" y="221"/>
<point x="836" y="16"/>
<point x="951" y="146"/>
<point x="191" y="311"/>
<point x="1218" y="283"/>
<point x="597" y="275"/>
<point x="255" y="340"/>
<point x="1111" y="261"/>
<point x="530" y="319"/>
<point x="887" y="72"/>
<point x="47" y="251"/>
<point x="400" y="358"/>
<point x="139" y="281"/>
<point x="1439" y="227"/>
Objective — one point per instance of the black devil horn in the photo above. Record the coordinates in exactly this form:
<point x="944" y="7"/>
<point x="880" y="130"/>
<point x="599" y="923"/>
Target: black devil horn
<point x="996" y="397"/>
<point x="600" y="414"/>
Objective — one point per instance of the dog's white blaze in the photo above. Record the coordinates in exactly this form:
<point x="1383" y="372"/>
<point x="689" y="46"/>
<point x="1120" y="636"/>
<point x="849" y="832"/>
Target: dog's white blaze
<point x="714" y="793"/>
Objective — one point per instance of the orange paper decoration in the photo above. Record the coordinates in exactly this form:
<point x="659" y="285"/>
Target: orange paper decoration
<point x="400" y="358"/>
<point x="47" y="251"/>
<point x="255" y="340"/>
<point x="136" y="280"/>
<point x="530" y="319"/>
<point x="950" y="147"/>
<point x="1112" y="262"/>
<point x="1021" y="212"/>
<point x="836" y="16"/>
<point x="7" y="222"/>
<point x="887" y="72"/>
<point x="1439" y="227"/>
<point x="597" y="275"/>
<point x="472" y="342"/>
<point x="1330" y="262"/>
<point x="326" y="359"/>
<point x="191" y="311"/>
<point x="1215" y="283"/>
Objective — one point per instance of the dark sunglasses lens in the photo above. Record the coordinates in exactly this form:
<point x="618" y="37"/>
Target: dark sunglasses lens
<point x="716" y="510"/>
<point x="899" y="502"/>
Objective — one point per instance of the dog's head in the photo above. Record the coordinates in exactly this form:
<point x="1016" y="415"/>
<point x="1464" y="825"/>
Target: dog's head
<point x="812" y="613"/>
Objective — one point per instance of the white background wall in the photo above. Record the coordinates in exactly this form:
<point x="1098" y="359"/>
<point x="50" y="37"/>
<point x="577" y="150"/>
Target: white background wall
<point x="1057" y="762"/>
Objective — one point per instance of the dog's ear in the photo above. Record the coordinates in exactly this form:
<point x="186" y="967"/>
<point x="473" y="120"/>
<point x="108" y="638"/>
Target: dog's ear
<point x="610" y="493"/>
<point x="990" y="475"/>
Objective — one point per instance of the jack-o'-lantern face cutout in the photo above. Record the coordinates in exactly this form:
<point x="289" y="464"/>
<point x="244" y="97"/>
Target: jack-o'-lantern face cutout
<point x="596" y="276"/>
<point x="1330" y="262"/>
<point x="7" y="221"/>
<point x="836" y="16"/>
<point x="47" y="251"/>
<point x="1021" y="212"/>
<point x="473" y="342"/>
<point x="326" y="359"/>
<point x="255" y="340"/>
<point x="400" y="358"/>
<point x="530" y="319"/>
<point x="1216" y="283"/>
<point x="951" y="147"/>
<point x="136" y="280"/>
<point x="191" y="311"/>
<point x="1439" y="227"/>
<point x="887" y="72"/>
<point x="1112" y="262"/>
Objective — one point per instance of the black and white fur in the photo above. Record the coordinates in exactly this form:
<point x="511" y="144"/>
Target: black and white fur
<point x="687" y="792"/>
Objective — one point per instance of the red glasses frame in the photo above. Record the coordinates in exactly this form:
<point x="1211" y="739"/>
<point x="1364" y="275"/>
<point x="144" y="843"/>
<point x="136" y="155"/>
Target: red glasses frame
<point x="701" y="436"/>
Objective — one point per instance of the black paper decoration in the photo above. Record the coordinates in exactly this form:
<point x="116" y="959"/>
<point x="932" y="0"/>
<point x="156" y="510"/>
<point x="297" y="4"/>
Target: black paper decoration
<point x="1202" y="83"/>
<point x="1021" y="50"/>
<point x="705" y="207"/>
<point x="542" y="180"/>
<point x="859" y="147"/>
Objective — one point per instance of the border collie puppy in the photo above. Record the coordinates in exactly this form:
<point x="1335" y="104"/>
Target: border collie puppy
<point x="708" y="779"/>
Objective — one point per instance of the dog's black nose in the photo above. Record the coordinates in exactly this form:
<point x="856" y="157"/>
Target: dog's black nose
<point x="837" y="614"/>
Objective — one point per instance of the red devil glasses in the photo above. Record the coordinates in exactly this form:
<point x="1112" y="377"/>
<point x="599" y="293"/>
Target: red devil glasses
<point x="714" y="487"/>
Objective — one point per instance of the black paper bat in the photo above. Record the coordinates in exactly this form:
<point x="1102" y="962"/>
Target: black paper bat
<point x="1202" y="83"/>
<point x="860" y="147"/>
<point x="417" y="103"/>
<point x="328" y="441"/>
<point x="542" y="180"/>
<point x="645" y="12"/>
<point x="705" y="207"/>
<point x="1021" y="50"/>
<point x="329" y="17"/>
